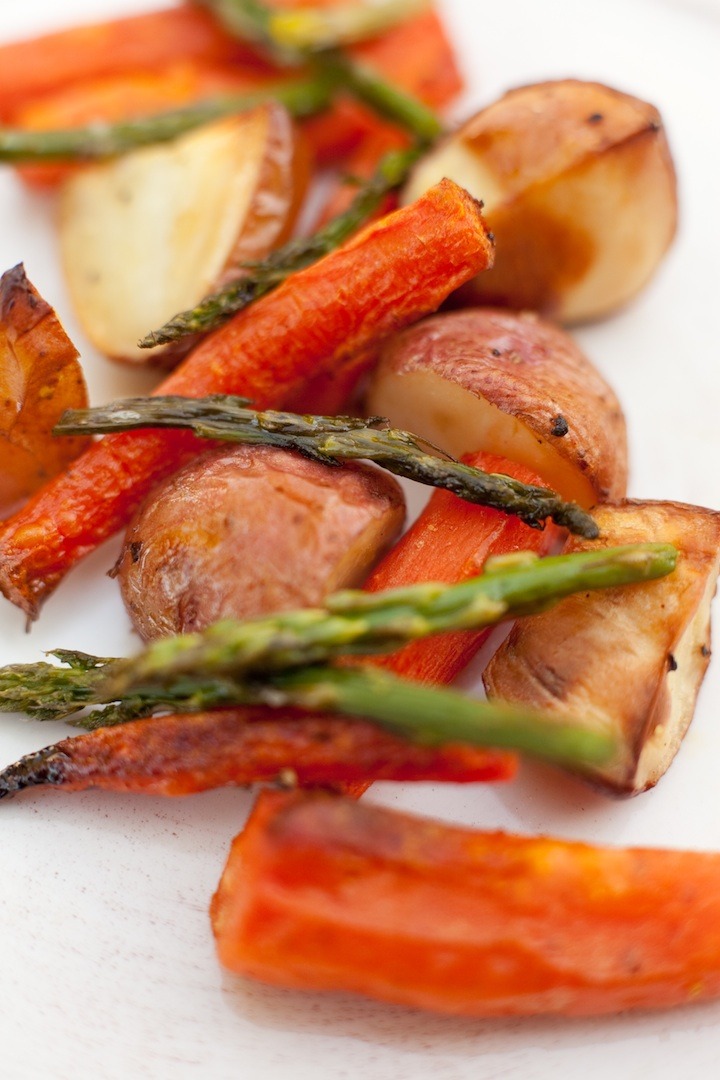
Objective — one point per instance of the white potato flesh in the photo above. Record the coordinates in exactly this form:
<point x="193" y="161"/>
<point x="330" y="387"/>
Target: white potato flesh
<point x="626" y="661"/>
<point x="248" y="530"/>
<point x="510" y="384"/>
<point x="579" y="189"/>
<point x="150" y="233"/>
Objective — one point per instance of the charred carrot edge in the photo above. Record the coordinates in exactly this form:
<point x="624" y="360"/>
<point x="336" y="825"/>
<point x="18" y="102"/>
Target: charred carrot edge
<point x="47" y="64"/>
<point x="389" y="275"/>
<point x="450" y="541"/>
<point x="125" y="96"/>
<point x="184" y="754"/>
<point x="417" y="56"/>
<point x="324" y="893"/>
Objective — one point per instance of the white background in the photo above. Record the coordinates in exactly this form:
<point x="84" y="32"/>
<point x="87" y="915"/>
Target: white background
<point x="105" y="946"/>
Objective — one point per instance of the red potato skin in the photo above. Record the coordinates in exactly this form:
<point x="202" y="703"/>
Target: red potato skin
<point x="188" y="753"/>
<point x="450" y="541"/>
<point x="322" y="893"/>
<point x="392" y="273"/>
<point x="244" y="531"/>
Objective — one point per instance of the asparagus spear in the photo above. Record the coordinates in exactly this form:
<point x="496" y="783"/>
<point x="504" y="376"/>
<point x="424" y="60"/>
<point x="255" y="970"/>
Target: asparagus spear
<point x="425" y="715"/>
<point x="217" y="307"/>
<point x="296" y="37"/>
<point x="222" y="665"/>
<point x="331" y="439"/>
<point x="301" y="97"/>
<point x="354" y="622"/>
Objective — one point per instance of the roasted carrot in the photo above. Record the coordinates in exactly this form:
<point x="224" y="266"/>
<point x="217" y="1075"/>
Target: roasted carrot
<point x="325" y="893"/>
<point x="125" y="96"/>
<point x="42" y="65"/>
<point x="450" y="541"/>
<point x="389" y="275"/>
<point x="184" y="754"/>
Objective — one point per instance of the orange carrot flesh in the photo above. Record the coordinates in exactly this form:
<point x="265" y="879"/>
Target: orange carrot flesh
<point x="188" y="753"/>
<point x="42" y="65"/>
<point x="389" y="275"/>
<point x="324" y="893"/>
<point x="450" y="541"/>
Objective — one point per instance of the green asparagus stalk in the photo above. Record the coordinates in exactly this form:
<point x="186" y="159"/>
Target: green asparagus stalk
<point x="222" y="665"/>
<point x="425" y="715"/>
<point x="264" y="276"/>
<point x="302" y="97"/>
<point x="331" y="439"/>
<point x="354" y="622"/>
<point x="393" y="104"/>
<point x="296" y="37"/>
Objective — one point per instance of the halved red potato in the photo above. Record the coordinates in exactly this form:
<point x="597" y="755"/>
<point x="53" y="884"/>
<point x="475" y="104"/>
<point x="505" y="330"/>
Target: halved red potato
<point x="510" y="384"/>
<point x="628" y="661"/>
<point x="248" y="530"/>
<point x="153" y="231"/>
<point x="579" y="189"/>
<point x="40" y="377"/>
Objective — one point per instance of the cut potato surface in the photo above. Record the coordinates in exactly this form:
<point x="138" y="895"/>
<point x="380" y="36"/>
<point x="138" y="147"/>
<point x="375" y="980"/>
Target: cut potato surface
<point x="628" y="661"/>
<point x="150" y="233"/>
<point x="246" y="531"/>
<point x="511" y="384"/>
<point x="579" y="189"/>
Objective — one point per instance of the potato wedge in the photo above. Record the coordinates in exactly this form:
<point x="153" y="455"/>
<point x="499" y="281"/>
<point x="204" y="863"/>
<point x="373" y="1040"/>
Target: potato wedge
<point x="248" y="530"/>
<point x="579" y="189"/>
<point x="150" y="233"/>
<point x="40" y="377"/>
<point x="510" y="384"/>
<point x="629" y="661"/>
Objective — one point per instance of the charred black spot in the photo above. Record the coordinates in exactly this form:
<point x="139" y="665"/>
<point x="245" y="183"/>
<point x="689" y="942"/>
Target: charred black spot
<point x="496" y="352"/>
<point x="135" y="547"/>
<point x="560" y="426"/>
<point x="704" y="650"/>
<point x="671" y="662"/>
<point x="595" y="118"/>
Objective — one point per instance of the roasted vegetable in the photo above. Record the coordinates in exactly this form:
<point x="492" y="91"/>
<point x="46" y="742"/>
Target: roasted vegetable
<point x="192" y="752"/>
<point x="209" y="667"/>
<point x="579" y="189"/>
<point x="245" y="531"/>
<point x="512" y="384"/>
<point x="330" y="440"/>
<point x="451" y="541"/>
<point x="40" y="377"/>
<point x="629" y="663"/>
<point x="391" y="274"/>
<point x="322" y="893"/>
<point x="152" y="232"/>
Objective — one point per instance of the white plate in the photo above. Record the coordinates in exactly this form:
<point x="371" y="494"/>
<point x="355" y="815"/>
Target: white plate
<point x="106" y="953"/>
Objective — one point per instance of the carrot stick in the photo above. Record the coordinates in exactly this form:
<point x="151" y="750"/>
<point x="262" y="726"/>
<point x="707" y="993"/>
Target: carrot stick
<point x="42" y="65"/>
<point x="389" y="275"/>
<point x="325" y="893"/>
<point x="184" y="754"/>
<point x="451" y="541"/>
